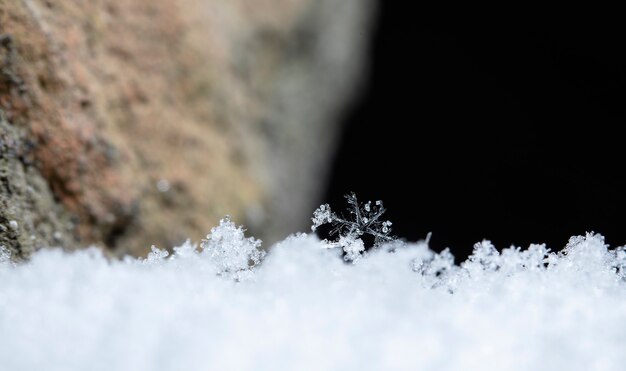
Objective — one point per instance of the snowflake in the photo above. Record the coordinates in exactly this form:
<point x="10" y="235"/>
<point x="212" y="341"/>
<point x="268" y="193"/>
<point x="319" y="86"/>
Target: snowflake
<point x="363" y="219"/>
<point x="232" y="253"/>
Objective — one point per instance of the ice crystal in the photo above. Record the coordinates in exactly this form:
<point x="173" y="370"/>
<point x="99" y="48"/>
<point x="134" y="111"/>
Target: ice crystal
<point x="485" y="258"/>
<point x="227" y="249"/>
<point x="363" y="219"/>
<point x="352" y="247"/>
<point x="323" y="215"/>
<point x="156" y="255"/>
<point x="232" y="253"/>
<point x="436" y="268"/>
<point x="186" y="250"/>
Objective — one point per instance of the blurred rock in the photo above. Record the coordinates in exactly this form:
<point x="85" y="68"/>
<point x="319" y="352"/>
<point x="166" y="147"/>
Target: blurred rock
<point x="29" y="216"/>
<point x="145" y="121"/>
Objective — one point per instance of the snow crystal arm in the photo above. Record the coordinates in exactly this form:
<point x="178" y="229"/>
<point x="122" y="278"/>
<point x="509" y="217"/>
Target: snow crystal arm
<point x="380" y="212"/>
<point x="321" y="216"/>
<point x="352" y="200"/>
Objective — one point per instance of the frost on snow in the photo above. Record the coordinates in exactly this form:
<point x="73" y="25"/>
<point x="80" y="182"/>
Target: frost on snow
<point x="400" y="306"/>
<point x="226" y="248"/>
<point x="363" y="219"/>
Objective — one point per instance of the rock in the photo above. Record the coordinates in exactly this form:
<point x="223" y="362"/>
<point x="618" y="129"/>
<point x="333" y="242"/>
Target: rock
<point x="29" y="215"/>
<point x="144" y="122"/>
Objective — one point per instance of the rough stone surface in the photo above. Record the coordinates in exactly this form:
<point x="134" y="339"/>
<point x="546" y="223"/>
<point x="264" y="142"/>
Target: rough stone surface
<point x="29" y="216"/>
<point x="128" y="123"/>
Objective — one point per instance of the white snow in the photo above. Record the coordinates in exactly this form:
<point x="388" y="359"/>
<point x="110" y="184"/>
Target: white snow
<point x="400" y="307"/>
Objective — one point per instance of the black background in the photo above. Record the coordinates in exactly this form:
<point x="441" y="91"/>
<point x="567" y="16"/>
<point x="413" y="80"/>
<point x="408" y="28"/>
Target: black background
<point x="510" y="130"/>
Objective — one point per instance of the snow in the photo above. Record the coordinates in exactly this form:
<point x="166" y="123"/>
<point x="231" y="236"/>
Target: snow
<point x="398" y="307"/>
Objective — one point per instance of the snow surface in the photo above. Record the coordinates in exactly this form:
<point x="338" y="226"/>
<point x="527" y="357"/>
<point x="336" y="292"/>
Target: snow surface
<point x="304" y="308"/>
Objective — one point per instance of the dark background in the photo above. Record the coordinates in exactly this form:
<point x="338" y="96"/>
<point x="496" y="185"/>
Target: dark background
<point x="510" y="130"/>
